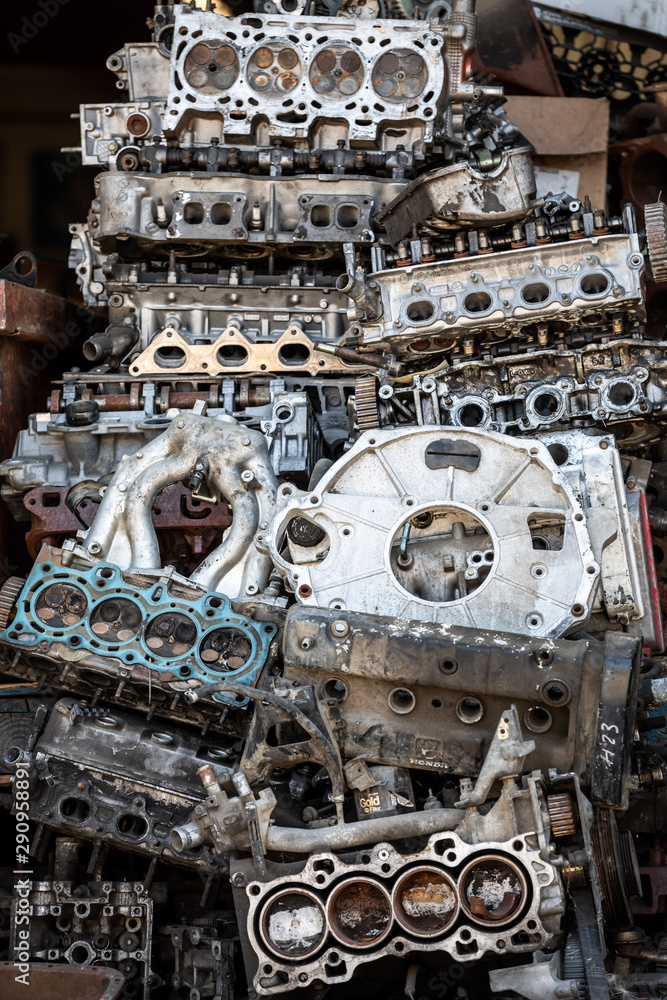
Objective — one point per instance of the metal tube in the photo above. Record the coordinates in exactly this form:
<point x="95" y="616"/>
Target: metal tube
<point x="369" y="831"/>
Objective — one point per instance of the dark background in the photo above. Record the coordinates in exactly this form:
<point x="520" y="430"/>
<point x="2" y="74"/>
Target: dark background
<point x="42" y="83"/>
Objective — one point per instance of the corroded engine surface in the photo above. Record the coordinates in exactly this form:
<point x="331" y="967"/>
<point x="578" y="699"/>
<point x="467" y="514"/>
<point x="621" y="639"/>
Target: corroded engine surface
<point x="342" y="637"/>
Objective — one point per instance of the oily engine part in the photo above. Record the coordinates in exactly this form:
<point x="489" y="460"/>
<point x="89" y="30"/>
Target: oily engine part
<point x="102" y="775"/>
<point x="335" y="660"/>
<point x="397" y="686"/>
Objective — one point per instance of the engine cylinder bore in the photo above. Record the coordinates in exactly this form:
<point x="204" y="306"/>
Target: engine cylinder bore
<point x="61" y="605"/>
<point x="171" y="634"/>
<point x="225" y="649"/>
<point x="292" y="924"/>
<point x="493" y="891"/>
<point x="425" y="901"/>
<point x="116" y="619"/>
<point x="359" y="913"/>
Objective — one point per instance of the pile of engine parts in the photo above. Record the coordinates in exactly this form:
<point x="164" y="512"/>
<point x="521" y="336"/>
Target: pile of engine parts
<point x="339" y="667"/>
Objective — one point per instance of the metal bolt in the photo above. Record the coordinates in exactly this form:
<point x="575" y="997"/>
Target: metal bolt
<point x="245" y="441"/>
<point x="180" y="423"/>
<point x="604" y="445"/>
<point x="631" y="483"/>
<point x="122" y="487"/>
<point x="239" y="879"/>
<point x="339" y="628"/>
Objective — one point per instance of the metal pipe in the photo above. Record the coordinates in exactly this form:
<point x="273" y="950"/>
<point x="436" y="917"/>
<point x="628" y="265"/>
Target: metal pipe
<point x="115" y="342"/>
<point x="364" y="294"/>
<point x="370" y="831"/>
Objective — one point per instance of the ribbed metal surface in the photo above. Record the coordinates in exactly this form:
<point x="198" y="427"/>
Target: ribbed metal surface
<point x="365" y="388"/>
<point x="8" y="594"/>
<point x="655" y="217"/>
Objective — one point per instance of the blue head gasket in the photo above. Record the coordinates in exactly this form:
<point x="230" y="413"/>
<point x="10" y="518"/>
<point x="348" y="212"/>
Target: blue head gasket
<point x="152" y="631"/>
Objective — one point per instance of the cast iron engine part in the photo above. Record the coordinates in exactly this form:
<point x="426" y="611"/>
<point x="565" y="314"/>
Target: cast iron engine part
<point x="343" y="566"/>
<point x="399" y="686"/>
<point x="106" y="776"/>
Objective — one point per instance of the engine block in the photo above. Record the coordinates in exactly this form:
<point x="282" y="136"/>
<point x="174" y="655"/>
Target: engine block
<point x="334" y="662"/>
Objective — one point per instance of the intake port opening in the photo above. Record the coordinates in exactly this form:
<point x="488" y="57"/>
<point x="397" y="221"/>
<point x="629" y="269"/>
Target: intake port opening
<point x="476" y="302"/>
<point x="420" y="311"/>
<point x="594" y="284"/>
<point x="471" y="415"/>
<point x="231" y="355"/>
<point x="169" y="356"/>
<point x="193" y="213"/>
<point x="535" y="292"/>
<point x="547" y="405"/>
<point x="75" y="810"/>
<point x="622" y="394"/>
<point x="294" y="354"/>
<point x="132" y="825"/>
<point x="221" y="213"/>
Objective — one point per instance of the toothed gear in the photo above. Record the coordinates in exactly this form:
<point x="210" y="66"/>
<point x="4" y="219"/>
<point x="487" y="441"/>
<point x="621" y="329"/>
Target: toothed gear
<point x="573" y="965"/>
<point x="561" y="815"/>
<point x="655" y="217"/>
<point x="365" y="389"/>
<point x="8" y="594"/>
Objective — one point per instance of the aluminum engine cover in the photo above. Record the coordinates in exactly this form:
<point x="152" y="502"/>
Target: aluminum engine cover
<point x="496" y="538"/>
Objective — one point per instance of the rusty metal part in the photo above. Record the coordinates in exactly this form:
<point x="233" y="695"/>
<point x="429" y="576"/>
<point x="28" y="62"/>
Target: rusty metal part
<point x="61" y="982"/>
<point x="562" y="815"/>
<point x="187" y="528"/>
<point x="641" y="167"/>
<point x="655" y="218"/>
<point x="21" y="269"/>
<point x="408" y="695"/>
<point x="365" y="394"/>
<point x="233" y="354"/>
<point x="655" y="874"/>
<point x="511" y="46"/>
<point x="249" y="395"/>
<point x="10" y="591"/>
